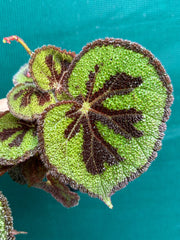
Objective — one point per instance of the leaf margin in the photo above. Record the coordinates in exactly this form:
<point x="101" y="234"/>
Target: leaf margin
<point x="20" y="115"/>
<point x="11" y="162"/>
<point x="162" y="127"/>
<point x="38" y="50"/>
<point x="9" y="219"/>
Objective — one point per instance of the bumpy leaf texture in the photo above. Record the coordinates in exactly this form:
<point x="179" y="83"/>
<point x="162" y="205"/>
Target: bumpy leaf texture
<point x="6" y="220"/>
<point x="27" y="102"/>
<point x="47" y="66"/>
<point x="18" y="140"/>
<point x="38" y="82"/>
<point x="109" y="129"/>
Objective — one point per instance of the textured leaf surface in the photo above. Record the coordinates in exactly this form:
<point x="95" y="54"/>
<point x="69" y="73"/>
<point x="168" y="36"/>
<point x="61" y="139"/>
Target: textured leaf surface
<point x="47" y="66"/>
<point x="59" y="191"/>
<point x="6" y="221"/>
<point x="23" y="75"/>
<point x="26" y="102"/>
<point x="109" y="132"/>
<point x="18" y="140"/>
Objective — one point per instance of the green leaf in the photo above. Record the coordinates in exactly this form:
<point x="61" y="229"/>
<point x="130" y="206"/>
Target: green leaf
<point x="6" y="220"/>
<point x="23" y="75"/>
<point x="7" y="232"/>
<point x="27" y="102"/>
<point x="110" y="130"/>
<point x="47" y="66"/>
<point x="18" y="140"/>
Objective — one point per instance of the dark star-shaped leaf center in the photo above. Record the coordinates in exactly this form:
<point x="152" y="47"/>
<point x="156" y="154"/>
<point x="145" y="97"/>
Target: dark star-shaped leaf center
<point x="90" y="110"/>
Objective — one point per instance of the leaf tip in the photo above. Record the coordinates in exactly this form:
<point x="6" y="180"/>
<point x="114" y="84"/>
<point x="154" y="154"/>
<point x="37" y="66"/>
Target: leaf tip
<point x="107" y="201"/>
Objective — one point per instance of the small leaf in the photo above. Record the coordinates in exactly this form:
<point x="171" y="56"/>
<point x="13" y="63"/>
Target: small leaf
<point x="18" y="140"/>
<point x="59" y="191"/>
<point x="26" y="102"/>
<point x="109" y="131"/>
<point x="47" y="66"/>
<point x="23" y="75"/>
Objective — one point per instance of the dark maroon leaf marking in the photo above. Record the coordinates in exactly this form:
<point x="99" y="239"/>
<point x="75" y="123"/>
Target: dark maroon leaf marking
<point x="55" y="76"/>
<point x="27" y="94"/>
<point x="96" y="151"/>
<point x="7" y="133"/>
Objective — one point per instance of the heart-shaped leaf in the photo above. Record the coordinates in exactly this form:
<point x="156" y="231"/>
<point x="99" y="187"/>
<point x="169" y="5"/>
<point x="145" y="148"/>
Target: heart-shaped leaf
<point x="111" y="129"/>
<point x="47" y="66"/>
<point x="27" y="102"/>
<point x="18" y="140"/>
<point x="23" y="75"/>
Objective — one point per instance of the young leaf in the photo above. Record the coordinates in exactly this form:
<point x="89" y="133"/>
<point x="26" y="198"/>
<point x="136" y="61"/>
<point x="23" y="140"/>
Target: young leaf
<point x="59" y="191"/>
<point x="26" y="102"/>
<point x="23" y="75"/>
<point x="47" y="66"/>
<point x="18" y="140"/>
<point x="111" y="130"/>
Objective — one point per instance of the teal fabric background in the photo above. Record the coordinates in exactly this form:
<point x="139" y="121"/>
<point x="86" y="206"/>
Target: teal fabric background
<point x="149" y="208"/>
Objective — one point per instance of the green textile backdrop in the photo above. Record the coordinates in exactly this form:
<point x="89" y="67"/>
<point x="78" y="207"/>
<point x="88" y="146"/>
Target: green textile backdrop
<point x="149" y="207"/>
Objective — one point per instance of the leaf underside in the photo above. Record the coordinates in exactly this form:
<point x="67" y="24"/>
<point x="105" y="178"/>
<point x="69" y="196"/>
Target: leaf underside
<point x="18" y="140"/>
<point x="59" y="191"/>
<point x="30" y="172"/>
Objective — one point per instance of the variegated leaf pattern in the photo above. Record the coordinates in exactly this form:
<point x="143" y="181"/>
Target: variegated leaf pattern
<point x="47" y="66"/>
<point x="27" y="102"/>
<point x="18" y="140"/>
<point x="110" y="130"/>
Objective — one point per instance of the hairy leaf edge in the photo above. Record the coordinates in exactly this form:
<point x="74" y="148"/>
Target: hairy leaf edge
<point x="169" y="100"/>
<point x="19" y="115"/>
<point x="26" y="155"/>
<point x="38" y="50"/>
<point x="8" y="219"/>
